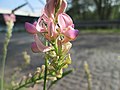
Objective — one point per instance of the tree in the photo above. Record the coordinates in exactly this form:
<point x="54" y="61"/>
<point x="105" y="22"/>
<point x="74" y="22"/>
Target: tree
<point x="104" y="8"/>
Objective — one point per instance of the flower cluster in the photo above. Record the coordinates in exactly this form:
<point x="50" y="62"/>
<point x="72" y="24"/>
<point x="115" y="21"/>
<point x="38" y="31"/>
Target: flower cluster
<point x="9" y="20"/>
<point x="57" y="28"/>
<point x="54" y="25"/>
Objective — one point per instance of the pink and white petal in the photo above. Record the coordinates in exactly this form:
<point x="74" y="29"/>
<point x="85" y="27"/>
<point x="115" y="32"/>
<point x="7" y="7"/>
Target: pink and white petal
<point x="40" y="45"/>
<point x="71" y="33"/>
<point x="39" y="26"/>
<point x="64" y="20"/>
<point x="34" y="47"/>
<point x="51" y="29"/>
<point x="30" y="28"/>
<point x="35" y="23"/>
<point x="63" y="7"/>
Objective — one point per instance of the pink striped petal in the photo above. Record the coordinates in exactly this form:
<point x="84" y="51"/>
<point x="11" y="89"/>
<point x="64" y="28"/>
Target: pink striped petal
<point x="34" y="47"/>
<point x="40" y="26"/>
<point x="30" y="28"/>
<point x="40" y="45"/>
<point x="64" y="20"/>
<point x="71" y="33"/>
<point x="62" y="7"/>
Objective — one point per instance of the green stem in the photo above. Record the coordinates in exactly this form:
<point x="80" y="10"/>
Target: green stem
<point x="7" y="40"/>
<point x="45" y="74"/>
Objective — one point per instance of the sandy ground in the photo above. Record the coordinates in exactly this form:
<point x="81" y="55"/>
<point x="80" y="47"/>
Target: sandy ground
<point x="101" y="51"/>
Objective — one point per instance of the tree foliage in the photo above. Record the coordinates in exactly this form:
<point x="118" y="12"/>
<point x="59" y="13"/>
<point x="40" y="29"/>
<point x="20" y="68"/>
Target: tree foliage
<point x="94" y="9"/>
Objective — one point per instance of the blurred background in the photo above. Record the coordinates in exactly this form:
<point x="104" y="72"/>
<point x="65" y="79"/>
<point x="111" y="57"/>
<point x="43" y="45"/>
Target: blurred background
<point x="98" y="43"/>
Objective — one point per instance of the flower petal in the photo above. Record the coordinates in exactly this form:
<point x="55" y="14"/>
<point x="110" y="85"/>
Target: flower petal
<point x="64" y="21"/>
<point x="40" y="25"/>
<point x="70" y="34"/>
<point x="34" y="47"/>
<point x="40" y="45"/>
<point x="62" y="7"/>
<point x="50" y="8"/>
<point x="30" y="28"/>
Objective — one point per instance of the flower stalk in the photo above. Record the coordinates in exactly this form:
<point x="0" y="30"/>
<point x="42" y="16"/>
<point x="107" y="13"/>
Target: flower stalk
<point x="5" y="46"/>
<point x="57" y="29"/>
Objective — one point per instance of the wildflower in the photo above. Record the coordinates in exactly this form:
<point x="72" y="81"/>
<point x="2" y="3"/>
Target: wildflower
<point x="38" y="46"/>
<point x="9" y="18"/>
<point x="67" y="27"/>
<point x="31" y="28"/>
<point x="55" y="7"/>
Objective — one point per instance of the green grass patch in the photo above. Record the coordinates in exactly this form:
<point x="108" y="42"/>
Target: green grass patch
<point x="100" y="31"/>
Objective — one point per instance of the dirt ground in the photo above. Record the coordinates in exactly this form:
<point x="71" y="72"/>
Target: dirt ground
<point x="101" y="51"/>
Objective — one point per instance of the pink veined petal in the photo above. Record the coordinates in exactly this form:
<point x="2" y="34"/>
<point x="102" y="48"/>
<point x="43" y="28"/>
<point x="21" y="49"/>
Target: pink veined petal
<point x="71" y="33"/>
<point x="30" y="28"/>
<point x="50" y="8"/>
<point x="39" y="26"/>
<point x="34" y="47"/>
<point x="64" y="21"/>
<point x="51" y="29"/>
<point x="62" y="7"/>
<point x="40" y="45"/>
<point x="35" y="23"/>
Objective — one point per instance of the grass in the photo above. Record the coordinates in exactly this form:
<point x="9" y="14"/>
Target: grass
<point x="100" y="31"/>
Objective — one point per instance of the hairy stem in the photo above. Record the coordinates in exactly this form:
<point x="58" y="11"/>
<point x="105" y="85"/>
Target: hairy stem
<point x="5" y="46"/>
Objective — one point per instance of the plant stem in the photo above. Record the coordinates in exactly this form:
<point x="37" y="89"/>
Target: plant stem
<point x="45" y="74"/>
<point x="7" y="40"/>
<point x="89" y="79"/>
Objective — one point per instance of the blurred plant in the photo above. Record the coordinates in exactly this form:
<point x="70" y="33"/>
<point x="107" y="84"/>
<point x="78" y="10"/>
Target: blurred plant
<point x="26" y="57"/>
<point x="87" y="71"/>
<point x="57" y="28"/>
<point x="9" y="20"/>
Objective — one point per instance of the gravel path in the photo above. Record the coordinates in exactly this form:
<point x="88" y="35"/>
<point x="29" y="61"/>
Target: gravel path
<point x="102" y="52"/>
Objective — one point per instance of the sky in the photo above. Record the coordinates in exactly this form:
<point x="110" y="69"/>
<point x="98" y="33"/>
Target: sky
<point x="37" y="5"/>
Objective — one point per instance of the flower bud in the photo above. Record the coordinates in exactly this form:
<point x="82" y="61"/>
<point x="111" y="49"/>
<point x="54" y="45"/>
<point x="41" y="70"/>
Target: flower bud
<point x="68" y="59"/>
<point x="59" y="73"/>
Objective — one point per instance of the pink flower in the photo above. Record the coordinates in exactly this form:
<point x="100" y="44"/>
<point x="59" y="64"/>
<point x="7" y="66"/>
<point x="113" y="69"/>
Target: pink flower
<point x="52" y="5"/>
<point x="9" y="18"/>
<point x="67" y="27"/>
<point x="31" y="28"/>
<point x="38" y="46"/>
<point x="47" y="27"/>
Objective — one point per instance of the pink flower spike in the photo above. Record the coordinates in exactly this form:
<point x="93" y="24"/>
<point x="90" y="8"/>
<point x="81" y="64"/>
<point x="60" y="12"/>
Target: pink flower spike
<point x="9" y="18"/>
<point x="64" y="20"/>
<point x="34" y="47"/>
<point x="40" y="45"/>
<point x="30" y="28"/>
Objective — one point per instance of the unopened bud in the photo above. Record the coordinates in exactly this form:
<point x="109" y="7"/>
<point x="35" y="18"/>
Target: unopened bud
<point x="68" y="60"/>
<point x="59" y="73"/>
